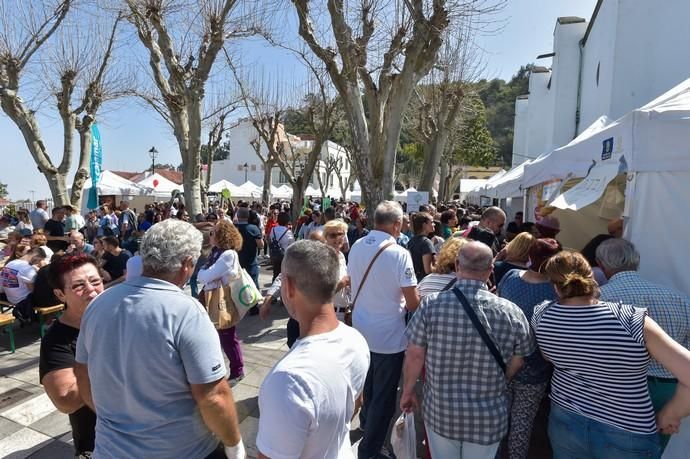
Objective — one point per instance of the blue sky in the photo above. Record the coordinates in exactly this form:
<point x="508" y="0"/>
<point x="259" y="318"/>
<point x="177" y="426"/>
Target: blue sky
<point x="128" y="130"/>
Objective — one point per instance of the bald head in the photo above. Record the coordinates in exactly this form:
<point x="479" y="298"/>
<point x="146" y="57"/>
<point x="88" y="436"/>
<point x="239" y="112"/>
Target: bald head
<point x="317" y="236"/>
<point x="493" y="218"/>
<point x="475" y="261"/>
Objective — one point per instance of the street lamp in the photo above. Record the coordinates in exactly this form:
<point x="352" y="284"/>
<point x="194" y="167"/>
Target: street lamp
<point x="246" y="166"/>
<point x="153" y="153"/>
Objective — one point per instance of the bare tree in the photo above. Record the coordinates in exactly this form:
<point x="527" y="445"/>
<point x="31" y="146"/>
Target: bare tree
<point x="181" y="70"/>
<point x="386" y="48"/>
<point x="26" y="31"/>
<point x="326" y="167"/>
<point x="345" y="181"/>
<point x="441" y="100"/>
<point x="266" y="108"/>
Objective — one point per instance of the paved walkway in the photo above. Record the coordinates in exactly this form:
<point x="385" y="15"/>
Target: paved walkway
<point x="31" y="427"/>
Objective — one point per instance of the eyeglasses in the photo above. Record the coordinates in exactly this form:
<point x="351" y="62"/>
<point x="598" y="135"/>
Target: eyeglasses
<point x="334" y="235"/>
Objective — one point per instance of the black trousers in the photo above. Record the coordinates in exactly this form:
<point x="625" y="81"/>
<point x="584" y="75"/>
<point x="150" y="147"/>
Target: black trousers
<point x="380" y="394"/>
<point x="292" y="331"/>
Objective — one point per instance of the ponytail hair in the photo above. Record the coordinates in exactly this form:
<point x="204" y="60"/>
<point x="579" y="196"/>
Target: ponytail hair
<point x="572" y="275"/>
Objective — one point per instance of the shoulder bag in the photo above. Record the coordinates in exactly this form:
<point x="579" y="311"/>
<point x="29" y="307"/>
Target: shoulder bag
<point x="480" y="328"/>
<point x="348" y="313"/>
<point x="228" y="304"/>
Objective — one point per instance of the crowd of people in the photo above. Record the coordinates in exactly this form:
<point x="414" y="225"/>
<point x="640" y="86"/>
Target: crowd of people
<point x="497" y="321"/>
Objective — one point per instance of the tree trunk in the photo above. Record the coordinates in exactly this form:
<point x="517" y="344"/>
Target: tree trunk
<point x="266" y="195"/>
<point x="298" y="189"/>
<point x="442" y="184"/>
<point x="58" y="188"/>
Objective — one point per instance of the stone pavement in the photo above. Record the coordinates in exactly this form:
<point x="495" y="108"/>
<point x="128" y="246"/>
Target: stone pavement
<point x="31" y="427"/>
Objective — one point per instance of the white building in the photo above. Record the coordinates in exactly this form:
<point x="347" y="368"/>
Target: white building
<point x="628" y="53"/>
<point x="243" y="163"/>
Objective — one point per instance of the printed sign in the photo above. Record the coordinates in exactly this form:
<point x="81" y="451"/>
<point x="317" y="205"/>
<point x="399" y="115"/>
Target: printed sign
<point x="607" y="149"/>
<point x="416" y="199"/>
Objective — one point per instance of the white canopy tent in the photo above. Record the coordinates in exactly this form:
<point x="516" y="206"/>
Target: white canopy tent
<point x="111" y="184"/>
<point x="221" y="185"/>
<point x="311" y="191"/>
<point x="281" y="192"/>
<point x="159" y="186"/>
<point x="651" y="145"/>
<point x="247" y="190"/>
<point x="508" y="185"/>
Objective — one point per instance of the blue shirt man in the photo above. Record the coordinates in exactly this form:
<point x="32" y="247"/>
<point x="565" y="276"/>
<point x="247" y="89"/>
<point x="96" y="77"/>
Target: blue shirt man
<point x="252" y="242"/>
<point x="149" y="362"/>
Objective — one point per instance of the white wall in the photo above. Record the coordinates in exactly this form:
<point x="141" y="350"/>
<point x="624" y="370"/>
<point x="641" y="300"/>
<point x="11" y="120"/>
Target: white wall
<point x="520" y="130"/>
<point x="652" y="53"/>
<point x="564" y="79"/>
<point x="241" y="152"/>
<point x="539" y="115"/>
<point x="598" y="52"/>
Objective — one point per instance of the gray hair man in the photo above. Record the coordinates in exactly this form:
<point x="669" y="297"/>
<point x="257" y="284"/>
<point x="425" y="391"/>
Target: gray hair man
<point x="383" y="286"/>
<point x="466" y="404"/>
<point x="148" y="343"/>
<point x="620" y="260"/>
<point x="308" y="398"/>
<point x="490" y="225"/>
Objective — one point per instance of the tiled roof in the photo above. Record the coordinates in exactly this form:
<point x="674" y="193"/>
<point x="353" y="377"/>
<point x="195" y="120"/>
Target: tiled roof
<point x="173" y="176"/>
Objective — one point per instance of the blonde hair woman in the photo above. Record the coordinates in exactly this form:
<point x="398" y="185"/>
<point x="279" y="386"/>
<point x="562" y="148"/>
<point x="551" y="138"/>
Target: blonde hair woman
<point x="514" y="256"/>
<point x="335" y="233"/>
<point x="443" y="275"/>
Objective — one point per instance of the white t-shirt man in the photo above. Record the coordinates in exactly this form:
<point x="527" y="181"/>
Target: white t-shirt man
<point x="308" y="398"/>
<point x="379" y="312"/>
<point x="15" y="279"/>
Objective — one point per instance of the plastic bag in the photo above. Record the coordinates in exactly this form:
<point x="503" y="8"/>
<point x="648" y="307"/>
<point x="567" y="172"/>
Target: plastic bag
<point x="404" y="438"/>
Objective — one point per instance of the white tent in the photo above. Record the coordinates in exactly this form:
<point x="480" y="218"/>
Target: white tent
<point x="311" y="191"/>
<point x="651" y="145"/>
<point x="507" y="185"/>
<point x="281" y="192"/>
<point x="218" y="187"/>
<point x="574" y="159"/>
<point x="247" y="190"/>
<point x="159" y="185"/>
<point x="113" y="184"/>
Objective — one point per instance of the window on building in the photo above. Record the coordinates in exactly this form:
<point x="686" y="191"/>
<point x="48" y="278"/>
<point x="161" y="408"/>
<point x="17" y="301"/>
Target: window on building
<point x="253" y="168"/>
<point x="263" y="167"/>
<point x="282" y="178"/>
<point x="240" y="167"/>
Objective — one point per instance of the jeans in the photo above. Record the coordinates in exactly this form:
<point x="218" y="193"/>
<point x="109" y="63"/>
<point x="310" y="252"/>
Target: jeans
<point x="445" y="448"/>
<point x="380" y="394"/>
<point x="574" y="436"/>
<point x="253" y="271"/>
<point x="231" y="347"/>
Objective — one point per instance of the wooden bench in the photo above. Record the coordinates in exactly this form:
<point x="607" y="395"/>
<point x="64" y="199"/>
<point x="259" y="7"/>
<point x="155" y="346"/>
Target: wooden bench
<point x="5" y="306"/>
<point x="47" y="313"/>
<point x="6" y="324"/>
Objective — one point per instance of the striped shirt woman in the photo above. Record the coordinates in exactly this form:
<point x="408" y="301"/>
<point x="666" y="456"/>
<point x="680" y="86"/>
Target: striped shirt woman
<point x="600" y="405"/>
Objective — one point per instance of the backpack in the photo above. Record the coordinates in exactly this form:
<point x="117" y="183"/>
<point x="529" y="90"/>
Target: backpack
<point x="277" y="251"/>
